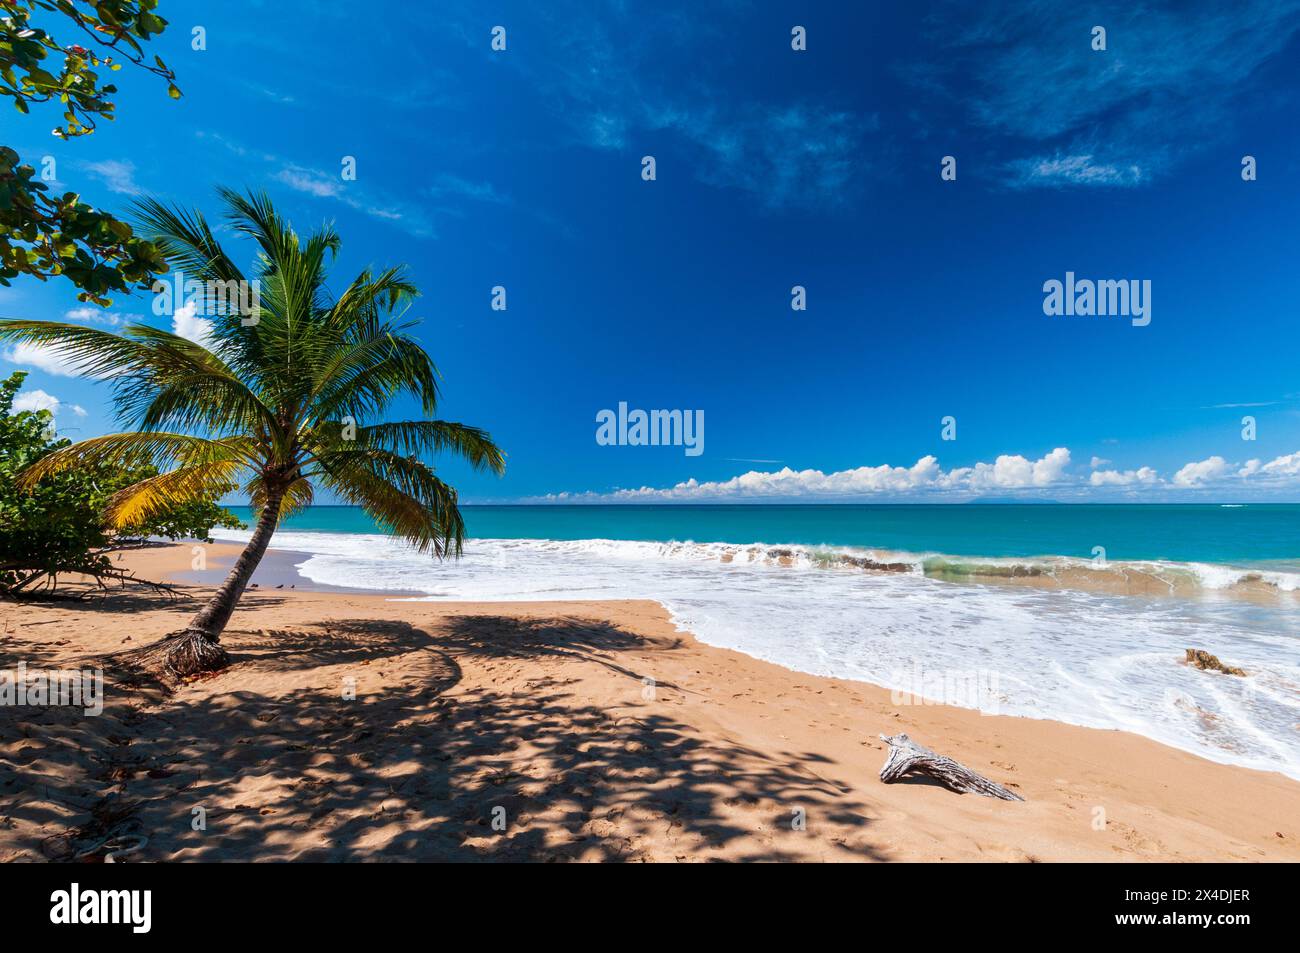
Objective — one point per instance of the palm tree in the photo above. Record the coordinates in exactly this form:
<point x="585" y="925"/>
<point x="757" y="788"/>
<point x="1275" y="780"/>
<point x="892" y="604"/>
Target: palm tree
<point x="282" y="400"/>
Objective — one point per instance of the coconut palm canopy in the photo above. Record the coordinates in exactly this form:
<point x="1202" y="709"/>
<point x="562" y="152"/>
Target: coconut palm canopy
<point x="284" y="397"/>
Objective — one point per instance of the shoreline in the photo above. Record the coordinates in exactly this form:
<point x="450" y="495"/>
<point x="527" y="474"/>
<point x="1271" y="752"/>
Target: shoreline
<point x="277" y="570"/>
<point x="1129" y="672"/>
<point x="1266" y="583"/>
<point x="541" y="708"/>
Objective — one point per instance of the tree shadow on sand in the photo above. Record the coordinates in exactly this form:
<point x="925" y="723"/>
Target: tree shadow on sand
<point x="418" y="767"/>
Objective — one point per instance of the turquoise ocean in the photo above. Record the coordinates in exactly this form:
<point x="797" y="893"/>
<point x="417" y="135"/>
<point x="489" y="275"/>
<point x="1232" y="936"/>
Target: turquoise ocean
<point x="1205" y="533"/>
<point x="1080" y="613"/>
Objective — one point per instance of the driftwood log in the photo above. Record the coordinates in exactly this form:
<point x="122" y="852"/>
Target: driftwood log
<point x="908" y="757"/>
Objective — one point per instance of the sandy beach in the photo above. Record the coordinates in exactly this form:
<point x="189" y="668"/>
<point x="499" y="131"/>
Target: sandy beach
<point x="552" y="731"/>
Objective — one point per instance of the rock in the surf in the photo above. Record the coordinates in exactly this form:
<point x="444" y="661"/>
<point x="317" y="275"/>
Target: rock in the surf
<point x="1199" y="658"/>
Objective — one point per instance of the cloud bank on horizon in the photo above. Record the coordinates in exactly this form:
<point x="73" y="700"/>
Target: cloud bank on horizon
<point x="1012" y="474"/>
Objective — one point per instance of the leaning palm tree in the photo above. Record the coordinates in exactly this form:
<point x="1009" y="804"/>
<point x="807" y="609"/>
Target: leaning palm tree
<point x="280" y="400"/>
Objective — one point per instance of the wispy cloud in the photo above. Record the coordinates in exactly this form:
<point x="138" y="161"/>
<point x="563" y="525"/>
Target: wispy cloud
<point x="445" y="185"/>
<point x="1073" y="170"/>
<point x="100" y="316"/>
<point x="797" y="154"/>
<point x="310" y="181"/>
<point x="271" y="95"/>
<point x="1079" y="117"/>
<point x="1257" y="403"/>
<point x="331" y="186"/>
<point x="323" y="185"/>
<point x="118" y="175"/>
<point x="604" y="80"/>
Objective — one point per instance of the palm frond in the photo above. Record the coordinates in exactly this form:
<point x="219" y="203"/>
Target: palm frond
<point x="188" y="386"/>
<point x="403" y="495"/>
<point x="365" y="380"/>
<point x="429" y="437"/>
<point x="89" y="352"/>
<point x="166" y="451"/>
<point x="137" y="504"/>
<point x="186" y="239"/>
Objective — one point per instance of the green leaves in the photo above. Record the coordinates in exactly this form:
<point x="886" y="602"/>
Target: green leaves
<point x="39" y="236"/>
<point x="43" y="237"/>
<point x="30" y="54"/>
<point x="57" y="524"/>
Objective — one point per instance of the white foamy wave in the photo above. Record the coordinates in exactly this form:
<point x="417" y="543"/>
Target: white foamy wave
<point x="1086" y="657"/>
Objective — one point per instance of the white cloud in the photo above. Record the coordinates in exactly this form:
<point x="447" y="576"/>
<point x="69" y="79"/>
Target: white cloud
<point x="187" y="325"/>
<point x="117" y="175"/>
<point x="1216" y="470"/>
<point x="1009" y="472"/>
<point x="925" y="478"/>
<point x="34" y="400"/>
<point x="1043" y="472"/>
<point x="1098" y="462"/>
<point x="1142" y="475"/>
<point x="1288" y="465"/>
<point x="51" y="360"/>
<point x="1202" y="472"/>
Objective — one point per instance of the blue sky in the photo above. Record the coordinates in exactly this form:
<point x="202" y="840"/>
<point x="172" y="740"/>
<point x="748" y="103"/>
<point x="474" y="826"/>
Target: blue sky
<point x="775" y="168"/>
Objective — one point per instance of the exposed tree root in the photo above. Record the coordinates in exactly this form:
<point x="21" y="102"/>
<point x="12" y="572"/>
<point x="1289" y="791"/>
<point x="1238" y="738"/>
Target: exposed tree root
<point x="182" y="655"/>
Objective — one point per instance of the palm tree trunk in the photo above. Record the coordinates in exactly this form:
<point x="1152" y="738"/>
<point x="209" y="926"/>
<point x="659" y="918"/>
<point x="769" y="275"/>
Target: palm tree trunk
<point x="196" y="649"/>
<point x="212" y="618"/>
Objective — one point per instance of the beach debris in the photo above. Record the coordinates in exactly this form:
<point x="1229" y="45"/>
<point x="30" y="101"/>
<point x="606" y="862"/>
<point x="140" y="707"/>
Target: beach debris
<point x="863" y="562"/>
<point x="1199" y="658"/>
<point x="908" y="757"/>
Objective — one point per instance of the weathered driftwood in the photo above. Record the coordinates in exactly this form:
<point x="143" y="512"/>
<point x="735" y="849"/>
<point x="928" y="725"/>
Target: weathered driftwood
<point x="908" y="757"/>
